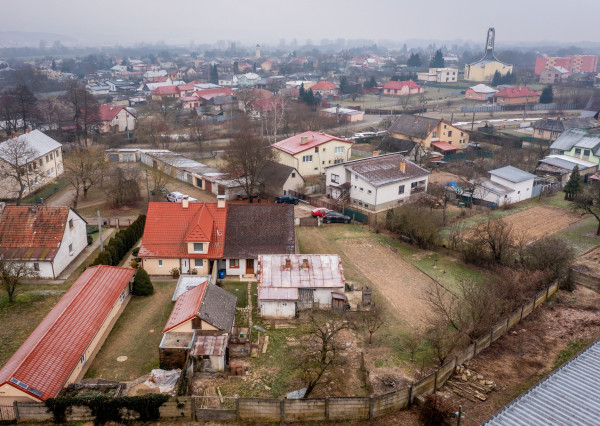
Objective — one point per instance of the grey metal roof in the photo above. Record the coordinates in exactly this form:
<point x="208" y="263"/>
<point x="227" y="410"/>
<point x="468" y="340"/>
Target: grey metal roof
<point x="413" y="125"/>
<point x="37" y="142"/>
<point x="569" y="396"/>
<point x="512" y="174"/>
<point x="569" y="138"/>
<point x="592" y="107"/>
<point x="491" y="186"/>
<point x="385" y="169"/>
<point x="565" y="162"/>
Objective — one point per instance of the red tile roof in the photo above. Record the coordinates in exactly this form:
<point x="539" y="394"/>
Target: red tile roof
<point x="168" y="225"/>
<point x="32" y="232"/>
<point x="46" y="359"/>
<point x="186" y="306"/>
<point x="324" y="85"/>
<point x="211" y="93"/>
<point x="397" y="85"/>
<point x="293" y="146"/>
<point x="444" y="146"/>
<point x="166" y="90"/>
<point x="108" y="112"/>
<point x="516" y="92"/>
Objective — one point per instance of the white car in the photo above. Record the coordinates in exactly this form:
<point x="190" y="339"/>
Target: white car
<point x="177" y="197"/>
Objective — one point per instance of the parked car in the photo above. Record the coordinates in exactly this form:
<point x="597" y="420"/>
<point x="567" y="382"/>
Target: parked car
<point x="286" y="199"/>
<point x="335" y="217"/>
<point x="177" y="197"/>
<point x="320" y="211"/>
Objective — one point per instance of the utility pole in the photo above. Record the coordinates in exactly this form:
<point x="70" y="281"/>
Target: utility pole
<point x="100" y="231"/>
<point x="473" y="121"/>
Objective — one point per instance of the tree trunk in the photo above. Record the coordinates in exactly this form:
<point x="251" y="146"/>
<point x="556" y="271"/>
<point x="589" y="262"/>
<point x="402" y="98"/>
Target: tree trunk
<point x="598" y="230"/>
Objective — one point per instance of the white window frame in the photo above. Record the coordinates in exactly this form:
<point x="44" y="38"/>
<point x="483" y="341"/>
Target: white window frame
<point x="307" y="158"/>
<point x="160" y="263"/>
<point x="196" y="263"/>
<point x="335" y="178"/>
<point x="338" y="150"/>
<point x="201" y="248"/>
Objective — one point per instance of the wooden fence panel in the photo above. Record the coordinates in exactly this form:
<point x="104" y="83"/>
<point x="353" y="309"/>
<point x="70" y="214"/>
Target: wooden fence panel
<point x="424" y="386"/>
<point x="528" y="308"/>
<point x="540" y="298"/>
<point x="304" y="409"/>
<point x="445" y="372"/>
<point x="498" y="330"/>
<point x="390" y="402"/>
<point x="216" y="414"/>
<point x="465" y="355"/>
<point x="355" y="408"/>
<point x="514" y="319"/>
<point x="180" y="407"/>
<point x="482" y="343"/>
<point x="553" y="289"/>
<point x="260" y="409"/>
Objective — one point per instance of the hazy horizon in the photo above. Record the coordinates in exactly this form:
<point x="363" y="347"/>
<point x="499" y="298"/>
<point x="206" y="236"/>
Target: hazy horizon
<point x="268" y="21"/>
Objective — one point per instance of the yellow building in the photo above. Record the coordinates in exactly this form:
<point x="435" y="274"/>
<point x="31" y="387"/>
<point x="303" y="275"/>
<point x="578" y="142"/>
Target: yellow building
<point x="310" y="152"/>
<point x="427" y="130"/>
<point x="486" y="67"/>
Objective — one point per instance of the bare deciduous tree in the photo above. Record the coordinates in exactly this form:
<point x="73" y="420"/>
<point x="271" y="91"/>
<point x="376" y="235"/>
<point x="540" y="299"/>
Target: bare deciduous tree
<point x="84" y="109"/>
<point x="12" y="274"/>
<point x="84" y="167"/>
<point x="588" y="202"/>
<point x="122" y="186"/>
<point x="18" y="172"/>
<point x="246" y="159"/>
<point x="320" y="348"/>
<point x="372" y="321"/>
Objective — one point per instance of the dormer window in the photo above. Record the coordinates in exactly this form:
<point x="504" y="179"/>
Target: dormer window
<point x="198" y="247"/>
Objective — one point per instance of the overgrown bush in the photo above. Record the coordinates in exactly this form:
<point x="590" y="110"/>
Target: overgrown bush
<point x="436" y="410"/>
<point x="550" y="254"/>
<point x="142" y="286"/>
<point x="416" y="223"/>
<point x="121" y="243"/>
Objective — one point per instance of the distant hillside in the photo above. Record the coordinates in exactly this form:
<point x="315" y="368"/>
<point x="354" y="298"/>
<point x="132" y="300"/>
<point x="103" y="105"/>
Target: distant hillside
<point x="32" y="39"/>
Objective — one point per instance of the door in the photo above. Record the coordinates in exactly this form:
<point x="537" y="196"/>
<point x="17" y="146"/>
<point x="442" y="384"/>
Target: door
<point x="185" y="266"/>
<point x="249" y="266"/>
<point x="305" y="298"/>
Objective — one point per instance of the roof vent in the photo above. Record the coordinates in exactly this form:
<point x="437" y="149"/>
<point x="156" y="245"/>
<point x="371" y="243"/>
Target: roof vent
<point x="305" y="263"/>
<point x="288" y="263"/>
<point x="303" y="140"/>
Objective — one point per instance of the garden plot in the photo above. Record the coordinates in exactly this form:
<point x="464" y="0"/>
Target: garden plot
<point x="539" y="222"/>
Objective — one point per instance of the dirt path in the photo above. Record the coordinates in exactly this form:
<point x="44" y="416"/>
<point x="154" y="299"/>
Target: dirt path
<point x="399" y="282"/>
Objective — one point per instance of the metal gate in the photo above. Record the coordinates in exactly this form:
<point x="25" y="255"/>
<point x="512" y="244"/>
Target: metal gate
<point x="305" y="298"/>
<point x="7" y="414"/>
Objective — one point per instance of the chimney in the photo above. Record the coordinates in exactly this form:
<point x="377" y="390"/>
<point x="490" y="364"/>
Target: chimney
<point x="416" y="118"/>
<point x="375" y="153"/>
<point x="428" y="128"/>
<point x="220" y="201"/>
<point x="185" y="202"/>
<point x="403" y="166"/>
<point x="288" y="263"/>
<point x="303" y="140"/>
<point x="305" y="263"/>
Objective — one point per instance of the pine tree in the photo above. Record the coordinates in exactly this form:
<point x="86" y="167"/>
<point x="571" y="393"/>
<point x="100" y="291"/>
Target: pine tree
<point x="344" y="87"/>
<point x="214" y="75"/>
<point x="573" y="186"/>
<point x="142" y="286"/>
<point x="302" y="92"/>
<point x="497" y="79"/>
<point x="236" y="68"/>
<point x="414" y="60"/>
<point x="438" y="60"/>
<point x="547" y="97"/>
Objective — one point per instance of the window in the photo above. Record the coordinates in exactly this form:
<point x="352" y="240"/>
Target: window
<point x="401" y="189"/>
<point x="586" y="152"/>
<point x="540" y="132"/>
<point x="577" y="151"/>
<point x="434" y="134"/>
<point x="57" y="152"/>
<point x="293" y="174"/>
<point x="234" y="263"/>
<point x="355" y="176"/>
<point x="444" y="126"/>
<point x="323" y="162"/>
<point x="122" y="296"/>
<point x="361" y="189"/>
<point x="335" y="178"/>
<point x="366" y="205"/>
<point x="414" y="184"/>
<point x="36" y="266"/>
<point x="71" y="226"/>
<point x="198" y="263"/>
<point x="339" y="150"/>
<point x="199" y="247"/>
<point x="47" y="160"/>
<point x="449" y="133"/>
<point x="51" y="156"/>
<point x="160" y="263"/>
<point x="307" y="158"/>
<point x="82" y="359"/>
<point x="369" y="191"/>
<point x="41" y="162"/>
<point x="71" y="248"/>
<point x="336" y="161"/>
<point x="316" y="149"/>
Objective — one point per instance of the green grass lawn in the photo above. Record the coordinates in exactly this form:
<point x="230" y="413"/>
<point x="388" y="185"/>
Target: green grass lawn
<point x="238" y="289"/>
<point x="137" y="335"/>
<point x="581" y="235"/>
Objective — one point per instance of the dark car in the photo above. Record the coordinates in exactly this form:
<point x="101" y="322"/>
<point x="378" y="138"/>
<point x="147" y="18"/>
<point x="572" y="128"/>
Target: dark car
<point x="286" y="199"/>
<point x="335" y="217"/>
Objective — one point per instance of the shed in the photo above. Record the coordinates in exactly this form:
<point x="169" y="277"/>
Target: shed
<point x="210" y="352"/>
<point x="174" y="349"/>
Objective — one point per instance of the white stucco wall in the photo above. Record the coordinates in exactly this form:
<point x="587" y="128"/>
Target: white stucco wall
<point x="522" y="190"/>
<point x="321" y="158"/>
<point x="277" y="309"/>
<point x="76" y="236"/>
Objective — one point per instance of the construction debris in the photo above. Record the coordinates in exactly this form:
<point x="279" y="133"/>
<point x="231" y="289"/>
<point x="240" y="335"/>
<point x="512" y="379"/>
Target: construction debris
<point x="470" y="385"/>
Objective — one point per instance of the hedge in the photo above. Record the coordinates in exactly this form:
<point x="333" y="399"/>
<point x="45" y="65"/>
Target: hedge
<point x="121" y="243"/>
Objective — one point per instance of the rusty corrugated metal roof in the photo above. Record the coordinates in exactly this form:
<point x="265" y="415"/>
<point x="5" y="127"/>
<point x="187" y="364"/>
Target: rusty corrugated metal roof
<point x="210" y="345"/>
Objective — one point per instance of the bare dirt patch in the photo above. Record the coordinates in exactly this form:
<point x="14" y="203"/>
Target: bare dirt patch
<point x="442" y="178"/>
<point x="541" y="221"/>
<point x="399" y="282"/>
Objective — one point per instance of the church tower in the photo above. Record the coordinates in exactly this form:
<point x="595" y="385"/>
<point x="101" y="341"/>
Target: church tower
<point x="257" y="51"/>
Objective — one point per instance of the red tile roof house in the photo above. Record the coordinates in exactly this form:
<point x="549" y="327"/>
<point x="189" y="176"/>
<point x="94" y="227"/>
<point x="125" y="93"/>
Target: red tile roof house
<point x="295" y="282"/>
<point x="310" y="152"/>
<point x="516" y="95"/>
<point x="402" y="88"/>
<point x="60" y="350"/>
<point x="205" y="310"/>
<point x="165" y="92"/>
<point x="325" y="88"/>
<point x="46" y="238"/>
<point x="116" y="117"/>
<point x="202" y="236"/>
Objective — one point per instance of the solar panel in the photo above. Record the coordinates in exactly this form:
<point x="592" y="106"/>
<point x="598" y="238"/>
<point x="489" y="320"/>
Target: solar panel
<point x="35" y="392"/>
<point x="18" y="383"/>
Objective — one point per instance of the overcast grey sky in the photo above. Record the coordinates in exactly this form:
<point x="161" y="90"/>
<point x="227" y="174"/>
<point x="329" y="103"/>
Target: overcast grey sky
<point x="267" y="21"/>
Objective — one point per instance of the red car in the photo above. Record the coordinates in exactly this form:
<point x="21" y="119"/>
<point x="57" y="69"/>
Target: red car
<point x="319" y="211"/>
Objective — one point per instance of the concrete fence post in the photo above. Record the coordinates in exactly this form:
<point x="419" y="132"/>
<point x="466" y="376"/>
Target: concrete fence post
<point x="371" y="407"/>
<point x="282" y="410"/>
<point x="327" y="408"/>
<point x="491" y="336"/>
<point x="547" y="292"/>
<point x="522" y="309"/>
<point x="474" y="349"/>
<point x="435" y="381"/>
<point x="237" y="408"/>
<point x="507" y="323"/>
<point x="410" y="395"/>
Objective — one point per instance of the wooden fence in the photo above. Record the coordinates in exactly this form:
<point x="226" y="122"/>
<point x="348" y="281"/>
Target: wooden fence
<point x="315" y="409"/>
